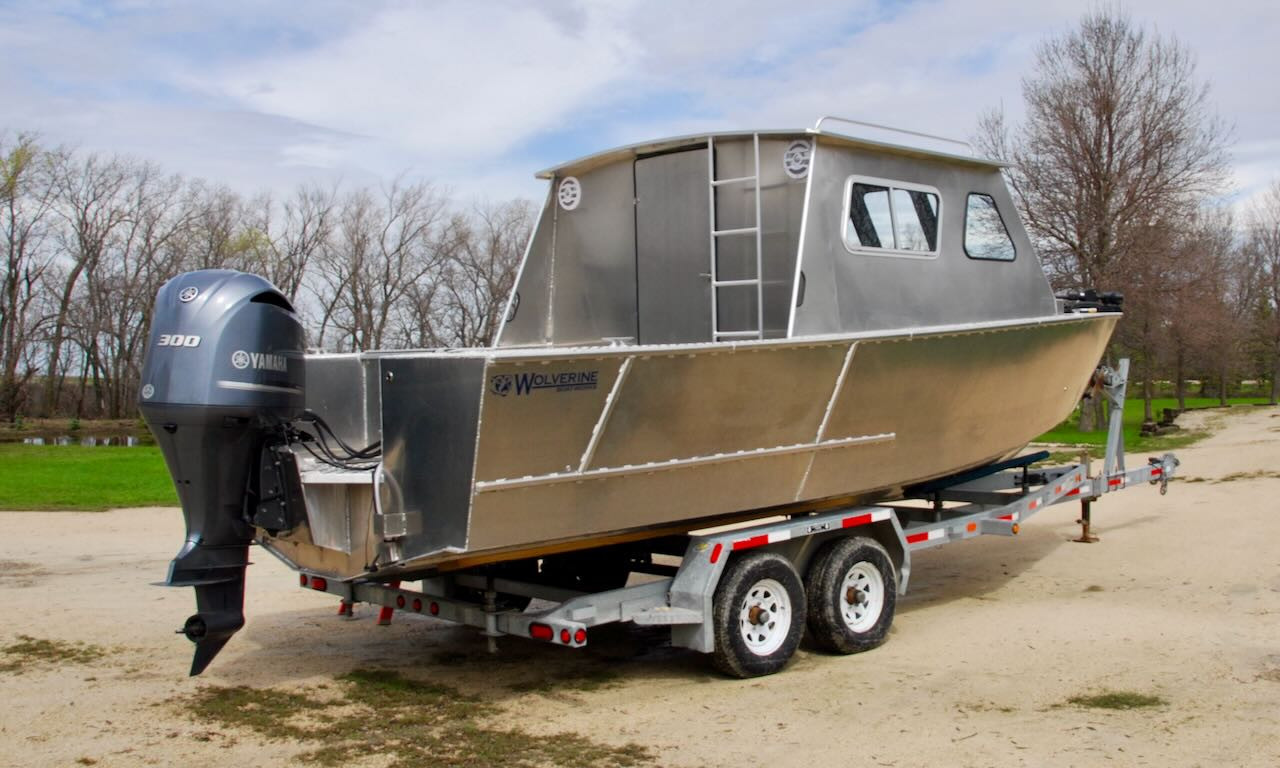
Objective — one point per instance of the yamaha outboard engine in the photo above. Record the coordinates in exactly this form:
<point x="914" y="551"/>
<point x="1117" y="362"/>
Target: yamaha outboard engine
<point x="223" y="378"/>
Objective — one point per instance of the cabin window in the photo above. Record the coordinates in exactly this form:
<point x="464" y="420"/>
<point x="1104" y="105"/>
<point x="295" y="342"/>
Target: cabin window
<point x="891" y="217"/>
<point x="985" y="235"/>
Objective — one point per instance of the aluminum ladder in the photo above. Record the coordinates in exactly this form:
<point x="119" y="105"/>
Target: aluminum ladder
<point x="754" y="231"/>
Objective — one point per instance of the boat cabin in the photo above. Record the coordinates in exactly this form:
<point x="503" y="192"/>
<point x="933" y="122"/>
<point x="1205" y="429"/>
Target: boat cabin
<point x="771" y="235"/>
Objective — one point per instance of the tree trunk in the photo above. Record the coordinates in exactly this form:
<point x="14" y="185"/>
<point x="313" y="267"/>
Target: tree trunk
<point x="1222" y="387"/>
<point x="1180" y="385"/>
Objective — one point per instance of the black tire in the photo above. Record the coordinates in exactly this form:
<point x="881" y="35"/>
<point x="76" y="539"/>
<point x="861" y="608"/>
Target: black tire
<point x="748" y="583"/>
<point x="835" y="622"/>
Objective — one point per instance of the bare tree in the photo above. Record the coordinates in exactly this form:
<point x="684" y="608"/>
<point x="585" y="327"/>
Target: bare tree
<point x="25" y="200"/>
<point x="482" y="272"/>
<point x="89" y="202"/>
<point x="382" y="246"/>
<point x="1263" y="250"/>
<point x="1118" y="144"/>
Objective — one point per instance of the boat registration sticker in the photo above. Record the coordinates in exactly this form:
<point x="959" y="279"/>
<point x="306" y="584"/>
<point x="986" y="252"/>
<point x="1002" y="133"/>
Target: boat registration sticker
<point x="795" y="161"/>
<point x="569" y="193"/>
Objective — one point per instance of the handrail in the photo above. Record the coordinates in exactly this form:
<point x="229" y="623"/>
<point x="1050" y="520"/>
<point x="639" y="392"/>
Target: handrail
<point x="817" y="128"/>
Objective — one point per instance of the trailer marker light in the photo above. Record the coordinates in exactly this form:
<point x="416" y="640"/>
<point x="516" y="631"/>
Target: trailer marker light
<point x="1014" y="528"/>
<point x="564" y="636"/>
<point x="319" y="584"/>
<point x="971" y="527"/>
<point x="417" y="605"/>
<point x="541" y="632"/>
<point x="580" y="636"/>
<point x="715" y="552"/>
<point x="400" y="601"/>
<point x="1034" y="503"/>
<point x="434" y="608"/>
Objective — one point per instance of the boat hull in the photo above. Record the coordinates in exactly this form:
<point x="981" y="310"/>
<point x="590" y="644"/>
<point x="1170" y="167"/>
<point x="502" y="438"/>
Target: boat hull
<point x="511" y="452"/>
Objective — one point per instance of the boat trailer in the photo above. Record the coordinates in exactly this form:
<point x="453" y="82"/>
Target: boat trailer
<point x="738" y="592"/>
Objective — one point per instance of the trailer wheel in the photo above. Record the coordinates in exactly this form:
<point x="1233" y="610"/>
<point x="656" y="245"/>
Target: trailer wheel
<point x="758" y="615"/>
<point x="852" y="591"/>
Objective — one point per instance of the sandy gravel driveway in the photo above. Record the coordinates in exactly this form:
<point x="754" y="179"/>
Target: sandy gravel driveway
<point x="1180" y="601"/>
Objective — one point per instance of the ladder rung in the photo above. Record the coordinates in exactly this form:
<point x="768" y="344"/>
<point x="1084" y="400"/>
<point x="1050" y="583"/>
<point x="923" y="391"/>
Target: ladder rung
<point x="738" y="334"/>
<point x="723" y="283"/>
<point x="737" y="180"/>
<point x="740" y="231"/>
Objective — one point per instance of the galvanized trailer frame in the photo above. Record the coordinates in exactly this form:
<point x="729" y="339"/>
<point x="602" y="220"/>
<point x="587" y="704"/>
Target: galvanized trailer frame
<point x="993" y="500"/>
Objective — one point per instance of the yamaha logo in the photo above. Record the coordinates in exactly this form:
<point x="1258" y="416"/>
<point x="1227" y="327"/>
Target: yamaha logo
<point x="259" y="361"/>
<point x="188" y="294"/>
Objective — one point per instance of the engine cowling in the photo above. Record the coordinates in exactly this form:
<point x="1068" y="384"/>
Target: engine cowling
<point x="223" y="373"/>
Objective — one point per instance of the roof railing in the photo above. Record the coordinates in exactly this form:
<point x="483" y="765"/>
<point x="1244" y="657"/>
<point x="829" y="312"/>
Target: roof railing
<point x="817" y="128"/>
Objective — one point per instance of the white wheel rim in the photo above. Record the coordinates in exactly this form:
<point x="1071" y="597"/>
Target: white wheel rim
<point x="861" y="597"/>
<point x="764" y="617"/>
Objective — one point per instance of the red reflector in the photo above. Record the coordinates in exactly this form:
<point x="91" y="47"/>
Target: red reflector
<point x="302" y="579"/>
<point x="1156" y="472"/>
<point x="399" y="601"/>
<point x="855" y="521"/>
<point x="417" y="605"/>
<point x="754" y="541"/>
<point x="913" y="538"/>
<point x="319" y="583"/>
<point x="580" y="636"/>
<point x="564" y="636"/>
<point x="434" y="608"/>
<point x="541" y="632"/>
<point x="715" y="552"/>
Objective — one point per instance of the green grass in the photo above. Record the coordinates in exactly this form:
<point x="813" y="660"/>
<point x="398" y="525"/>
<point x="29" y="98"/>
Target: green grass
<point x="406" y="723"/>
<point x="29" y="652"/>
<point x="1066" y="432"/>
<point x="75" y="477"/>
<point x="1117" y="700"/>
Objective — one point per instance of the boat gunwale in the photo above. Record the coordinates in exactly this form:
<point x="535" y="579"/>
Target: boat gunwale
<point x="620" y="350"/>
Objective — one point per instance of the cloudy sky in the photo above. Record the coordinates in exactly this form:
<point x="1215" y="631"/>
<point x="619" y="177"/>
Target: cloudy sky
<point x="477" y="96"/>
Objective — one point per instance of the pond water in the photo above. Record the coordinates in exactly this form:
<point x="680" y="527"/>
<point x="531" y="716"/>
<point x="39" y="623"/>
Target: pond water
<point x="85" y="440"/>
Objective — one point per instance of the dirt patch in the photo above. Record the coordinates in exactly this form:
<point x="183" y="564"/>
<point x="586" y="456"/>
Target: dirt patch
<point x="18" y="573"/>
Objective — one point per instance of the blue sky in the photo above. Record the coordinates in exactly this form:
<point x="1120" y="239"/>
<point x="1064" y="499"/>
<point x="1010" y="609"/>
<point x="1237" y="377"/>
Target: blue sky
<point x="477" y="96"/>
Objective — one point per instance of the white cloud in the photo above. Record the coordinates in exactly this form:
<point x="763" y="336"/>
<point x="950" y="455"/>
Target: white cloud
<point x="475" y="96"/>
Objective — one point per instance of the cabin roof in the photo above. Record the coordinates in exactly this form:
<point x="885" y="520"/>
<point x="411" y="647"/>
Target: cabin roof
<point x="609" y="156"/>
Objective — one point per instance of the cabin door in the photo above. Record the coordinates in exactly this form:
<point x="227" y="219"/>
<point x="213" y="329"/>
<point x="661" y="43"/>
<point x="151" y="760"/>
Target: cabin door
<point x="673" y="221"/>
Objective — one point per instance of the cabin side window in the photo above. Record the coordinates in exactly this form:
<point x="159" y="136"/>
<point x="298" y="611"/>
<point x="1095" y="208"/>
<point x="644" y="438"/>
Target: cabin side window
<point x="985" y="235"/>
<point x="890" y="217"/>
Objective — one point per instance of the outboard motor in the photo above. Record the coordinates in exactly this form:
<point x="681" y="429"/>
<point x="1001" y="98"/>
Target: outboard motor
<point x="223" y="378"/>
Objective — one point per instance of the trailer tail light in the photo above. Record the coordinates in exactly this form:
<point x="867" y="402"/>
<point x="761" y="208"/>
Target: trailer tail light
<point x="434" y="608"/>
<point x="541" y="632"/>
<point x="417" y="605"/>
<point x="580" y="636"/>
<point x="400" y="601"/>
<point x="319" y="584"/>
<point x="564" y="636"/>
<point x="715" y="552"/>
<point x="302" y="579"/>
